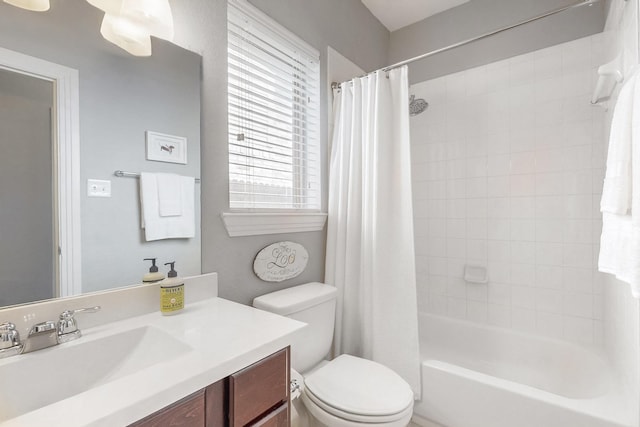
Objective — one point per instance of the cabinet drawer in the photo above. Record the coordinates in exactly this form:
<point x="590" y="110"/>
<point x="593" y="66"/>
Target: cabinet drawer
<point x="277" y="418"/>
<point x="258" y="388"/>
<point x="188" y="412"/>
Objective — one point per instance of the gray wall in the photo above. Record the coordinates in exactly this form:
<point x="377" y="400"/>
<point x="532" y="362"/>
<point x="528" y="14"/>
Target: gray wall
<point x="121" y="96"/>
<point x="347" y="26"/>
<point x="480" y="16"/>
<point x="26" y="193"/>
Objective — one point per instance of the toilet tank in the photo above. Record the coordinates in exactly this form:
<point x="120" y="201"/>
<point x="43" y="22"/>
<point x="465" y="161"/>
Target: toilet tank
<point x="313" y="304"/>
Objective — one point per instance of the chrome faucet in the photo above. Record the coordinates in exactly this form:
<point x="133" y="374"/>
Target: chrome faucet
<point x="10" y="344"/>
<point x="68" y="326"/>
<point x="42" y="335"/>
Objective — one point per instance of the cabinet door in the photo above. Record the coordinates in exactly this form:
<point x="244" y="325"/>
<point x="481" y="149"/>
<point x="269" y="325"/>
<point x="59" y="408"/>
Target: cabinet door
<point x="259" y="388"/>
<point x="277" y="418"/>
<point x="216" y="404"/>
<point x="188" y="412"/>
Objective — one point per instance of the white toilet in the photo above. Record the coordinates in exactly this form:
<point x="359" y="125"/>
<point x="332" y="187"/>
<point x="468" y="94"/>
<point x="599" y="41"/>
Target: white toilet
<point x="347" y="391"/>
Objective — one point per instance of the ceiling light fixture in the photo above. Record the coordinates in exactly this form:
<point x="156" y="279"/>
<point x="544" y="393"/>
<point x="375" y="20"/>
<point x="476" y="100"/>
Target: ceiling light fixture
<point x="126" y="35"/>
<point x="129" y="23"/>
<point x="35" y="5"/>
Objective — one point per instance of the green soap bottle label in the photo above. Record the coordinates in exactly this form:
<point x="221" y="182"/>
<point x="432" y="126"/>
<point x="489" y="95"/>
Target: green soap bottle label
<point x="171" y="298"/>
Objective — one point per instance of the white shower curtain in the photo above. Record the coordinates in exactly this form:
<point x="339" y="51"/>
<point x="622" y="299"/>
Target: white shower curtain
<point x="370" y="252"/>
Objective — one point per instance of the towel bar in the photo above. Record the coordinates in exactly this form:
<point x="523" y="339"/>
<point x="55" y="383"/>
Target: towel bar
<point x="123" y="174"/>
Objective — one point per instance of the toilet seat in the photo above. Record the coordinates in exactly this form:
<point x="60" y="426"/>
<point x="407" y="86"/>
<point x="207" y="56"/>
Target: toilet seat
<point x="359" y="390"/>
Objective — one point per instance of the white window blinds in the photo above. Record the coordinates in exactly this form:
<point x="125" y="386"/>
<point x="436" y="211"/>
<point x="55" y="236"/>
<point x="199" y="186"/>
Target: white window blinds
<point x="274" y="149"/>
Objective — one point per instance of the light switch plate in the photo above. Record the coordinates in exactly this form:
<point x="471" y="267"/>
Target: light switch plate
<point x="98" y="188"/>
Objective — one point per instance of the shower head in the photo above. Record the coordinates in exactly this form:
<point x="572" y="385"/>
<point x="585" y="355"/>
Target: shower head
<point x="417" y="106"/>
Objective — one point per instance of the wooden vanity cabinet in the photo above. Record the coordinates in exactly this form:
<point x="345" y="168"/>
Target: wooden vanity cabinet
<point x="258" y="390"/>
<point x="257" y="395"/>
<point x="187" y="412"/>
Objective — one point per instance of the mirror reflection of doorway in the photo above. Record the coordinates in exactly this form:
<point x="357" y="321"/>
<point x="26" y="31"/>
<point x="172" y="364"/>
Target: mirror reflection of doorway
<point x="28" y="247"/>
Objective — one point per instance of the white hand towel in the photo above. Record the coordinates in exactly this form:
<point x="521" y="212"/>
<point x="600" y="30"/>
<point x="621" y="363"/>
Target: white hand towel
<point x="620" y="204"/>
<point x="158" y="227"/>
<point x="616" y="193"/>
<point x="169" y="194"/>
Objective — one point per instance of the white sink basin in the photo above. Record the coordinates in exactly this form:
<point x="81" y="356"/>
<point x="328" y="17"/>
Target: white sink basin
<point x="38" y="379"/>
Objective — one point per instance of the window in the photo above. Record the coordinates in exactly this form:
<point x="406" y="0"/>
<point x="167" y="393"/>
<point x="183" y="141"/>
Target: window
<point x="273" y="92"/>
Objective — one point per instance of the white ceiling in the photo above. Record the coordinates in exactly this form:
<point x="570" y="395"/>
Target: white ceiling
<point x="395" y="14"/>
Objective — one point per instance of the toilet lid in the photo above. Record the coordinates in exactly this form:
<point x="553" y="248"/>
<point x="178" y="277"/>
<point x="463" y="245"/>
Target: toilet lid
<point x="359" y="386"/>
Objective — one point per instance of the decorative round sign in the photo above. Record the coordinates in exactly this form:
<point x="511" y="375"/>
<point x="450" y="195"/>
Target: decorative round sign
<point x="280" y="261"/>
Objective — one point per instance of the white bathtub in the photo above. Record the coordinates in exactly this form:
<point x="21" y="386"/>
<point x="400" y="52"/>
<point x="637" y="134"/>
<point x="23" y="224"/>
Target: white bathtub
<point x="480" y="376"/>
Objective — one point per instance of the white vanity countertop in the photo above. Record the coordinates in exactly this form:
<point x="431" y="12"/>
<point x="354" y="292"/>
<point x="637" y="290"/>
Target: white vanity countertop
<point x="224" y="336"/>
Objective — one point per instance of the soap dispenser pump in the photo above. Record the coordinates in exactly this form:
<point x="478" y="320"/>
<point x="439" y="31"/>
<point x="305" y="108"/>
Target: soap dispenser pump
<point x="171" y="292"/>
<point x="153" y="276"/>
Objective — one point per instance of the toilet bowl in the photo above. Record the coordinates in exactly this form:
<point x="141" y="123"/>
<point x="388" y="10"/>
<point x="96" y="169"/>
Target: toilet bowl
<point x="351" y="392"/>
<point x="347" y="391"/>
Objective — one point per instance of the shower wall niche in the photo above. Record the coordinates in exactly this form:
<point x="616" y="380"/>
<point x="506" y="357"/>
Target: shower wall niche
<point x="508" y="162"/>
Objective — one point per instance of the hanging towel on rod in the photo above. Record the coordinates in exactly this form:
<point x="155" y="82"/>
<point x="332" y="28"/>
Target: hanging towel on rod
<point x="174" y="226"/>
<point x="620" y="204"/>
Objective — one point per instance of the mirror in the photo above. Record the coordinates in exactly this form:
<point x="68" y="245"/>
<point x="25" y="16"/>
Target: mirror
<point x="121" y="97"/>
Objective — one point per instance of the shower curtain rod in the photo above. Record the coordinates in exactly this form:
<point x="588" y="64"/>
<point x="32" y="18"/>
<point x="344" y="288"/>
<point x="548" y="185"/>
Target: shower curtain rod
<point x="577" y="4"/>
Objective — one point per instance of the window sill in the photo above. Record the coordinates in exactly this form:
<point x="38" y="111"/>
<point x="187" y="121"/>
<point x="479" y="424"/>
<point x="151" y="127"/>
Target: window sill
<point x="253" y="224"/>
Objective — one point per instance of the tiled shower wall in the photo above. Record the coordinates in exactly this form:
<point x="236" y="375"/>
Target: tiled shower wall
<point x="508" y="162"/>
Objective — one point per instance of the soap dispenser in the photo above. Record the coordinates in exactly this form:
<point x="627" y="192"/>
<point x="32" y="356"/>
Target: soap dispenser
<point x="171" y="292"/>
<point x="153" y="276"/>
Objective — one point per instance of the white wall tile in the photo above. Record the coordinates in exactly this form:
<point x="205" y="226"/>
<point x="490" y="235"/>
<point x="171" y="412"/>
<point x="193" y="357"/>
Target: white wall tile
<point x="521" y="70"/>
<point x="549" y="230"/>
<point x="578" y="279"/>
<point x="522" y="274"/>
<point x="498" y="186"/>
<point x="549" y="276"/>
<point x="499" y="272"/>
<point x="523" y="137"/>
<point x="523" y="185"/>
<point x="477" y="228"/>
<point x="547" y="65"/>
<point x="499" y="315"/>
<point x="477" y="311"/>
<point x="498" y="229"/>
<point x="456" y="248"/>
<point x="476" y="187"/>
<point x="437" y="266"/>
<point x="477" y="292"/>
<point x="477" y="208"/>
<point x="523" y="296"/>
<point x="456" y="288"/>
<point x="508" y="164"/>
<point x="477" y="250"/>
<point x="499" y="250"/>
<point x="549" y="184"/>
<point x="523" y="230"/>
<point x="498" y="164"/>
<point x="498" y="142"/>
<point x="457" y="308"/>
<point x="549" y="300"/>
<point x="524" y="320"/>
<point x="499" y="293"/>
<point x="577" y="255"/>
<point x="523" y="207"/>
<point x="549" y="253"/>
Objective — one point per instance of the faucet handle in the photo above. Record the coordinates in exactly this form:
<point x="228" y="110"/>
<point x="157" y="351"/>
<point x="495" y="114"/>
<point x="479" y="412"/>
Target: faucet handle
<point x="68" y="314"/>
<point x="68" y="326"/>
<point x="10" y="344"/>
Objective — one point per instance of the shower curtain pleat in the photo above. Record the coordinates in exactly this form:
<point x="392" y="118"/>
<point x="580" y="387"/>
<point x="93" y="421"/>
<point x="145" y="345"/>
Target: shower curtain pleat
<point x="370" y="249"/>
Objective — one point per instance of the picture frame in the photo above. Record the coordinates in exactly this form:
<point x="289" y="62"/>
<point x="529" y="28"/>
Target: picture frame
<point x="162" y="147"/>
